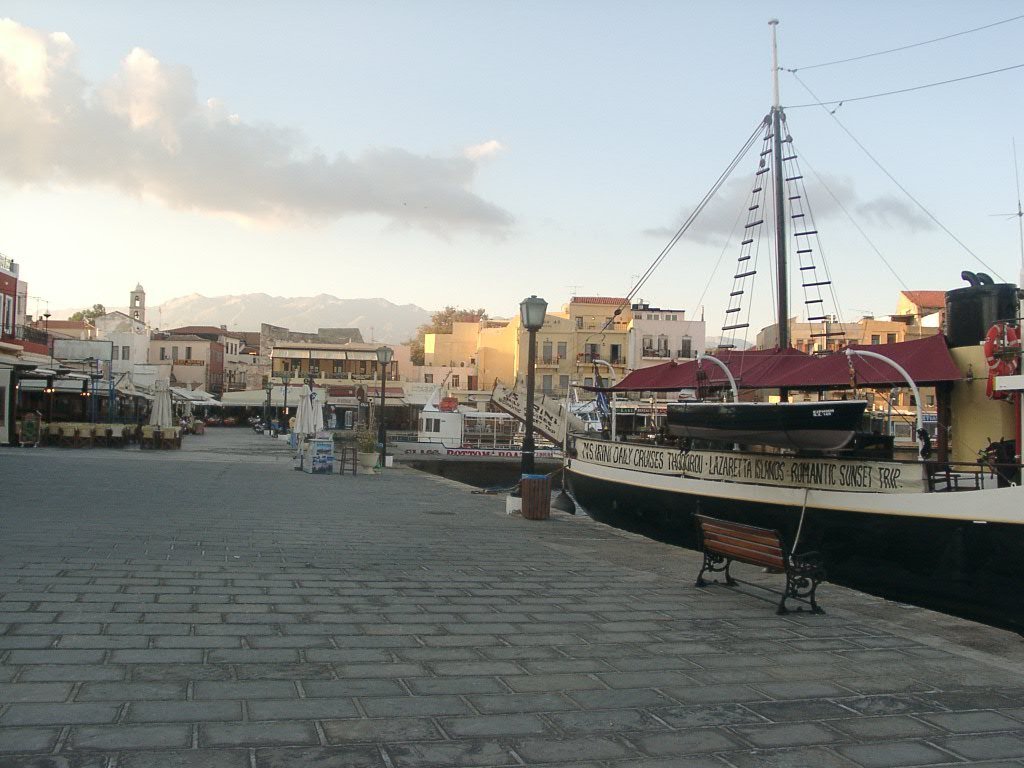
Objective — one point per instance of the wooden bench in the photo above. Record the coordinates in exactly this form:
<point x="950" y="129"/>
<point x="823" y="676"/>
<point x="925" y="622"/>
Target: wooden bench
<point x="722" y="542"/>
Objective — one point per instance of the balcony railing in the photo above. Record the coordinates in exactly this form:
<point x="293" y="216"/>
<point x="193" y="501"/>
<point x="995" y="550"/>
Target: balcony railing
<point x="666" y="353"/>
<point x="584" y="358"/>
<point x="34" y="335"/>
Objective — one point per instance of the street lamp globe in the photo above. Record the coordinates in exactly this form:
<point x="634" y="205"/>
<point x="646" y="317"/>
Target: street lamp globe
<point x="532" y="312"/>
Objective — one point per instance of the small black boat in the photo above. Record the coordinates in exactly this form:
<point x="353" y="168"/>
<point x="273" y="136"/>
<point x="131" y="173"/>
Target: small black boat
<point x="805" y="426"/>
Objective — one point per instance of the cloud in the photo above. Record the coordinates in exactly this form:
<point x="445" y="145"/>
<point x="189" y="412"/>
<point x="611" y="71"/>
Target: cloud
<point x="145" y="133"/>
<point x="724" y="214"/>
<point x="478" y="151"/>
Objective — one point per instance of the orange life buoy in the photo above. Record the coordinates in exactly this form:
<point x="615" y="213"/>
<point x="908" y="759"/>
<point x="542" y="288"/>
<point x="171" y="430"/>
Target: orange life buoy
<point x="1002" y="354"/>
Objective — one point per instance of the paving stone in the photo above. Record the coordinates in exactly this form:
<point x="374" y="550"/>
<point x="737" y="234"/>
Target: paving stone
<point x="889" y="727"/>
<point x="109" y="737"/>
<point x="27" y="740"/>
<point x="320" y="757"/>
<point x="522" y="702"/>
<point x="256" y="734"/>
<point x="415" y="706"/>
<point x="786" y="734"/>
<point x="58" y="714"/>
<point x="277" y="689"/>
<point x="629" y="721"/>
<point x="130" y="691"/>
<point x="304" y="709"/>
<point x="391" y="729"/>
<point x="11" y="693"/>
<point x="984" y="747"/>
<point x="893" y="754"/>
<point x="685" y="743"/>
<point x="453" y="753"/>
<point x="183" y="711"/>
<point x="191" y="758"/>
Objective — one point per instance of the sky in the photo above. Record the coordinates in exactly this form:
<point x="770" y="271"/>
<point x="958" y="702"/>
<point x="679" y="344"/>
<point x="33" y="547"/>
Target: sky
<point x="468" y="153"/>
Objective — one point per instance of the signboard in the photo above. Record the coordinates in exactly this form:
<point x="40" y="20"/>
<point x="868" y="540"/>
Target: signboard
<point x="860" y="476"/>
<point x="548" y="414"/>
<point x="76" y="349"/>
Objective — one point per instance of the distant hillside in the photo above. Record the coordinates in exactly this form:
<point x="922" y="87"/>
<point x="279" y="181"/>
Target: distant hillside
<point x="377" y="319"/>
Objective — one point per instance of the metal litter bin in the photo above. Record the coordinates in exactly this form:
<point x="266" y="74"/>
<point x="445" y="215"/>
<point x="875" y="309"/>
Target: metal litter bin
<point x="536" y="494"/>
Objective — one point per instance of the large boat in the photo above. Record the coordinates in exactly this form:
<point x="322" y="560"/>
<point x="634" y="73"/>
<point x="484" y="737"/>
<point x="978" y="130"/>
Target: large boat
<point x="478" y="447"/>
<point x="942" y="526"/>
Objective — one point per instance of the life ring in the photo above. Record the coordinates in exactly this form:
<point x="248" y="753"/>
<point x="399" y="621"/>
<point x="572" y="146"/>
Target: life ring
<point x="1002" y="354"/>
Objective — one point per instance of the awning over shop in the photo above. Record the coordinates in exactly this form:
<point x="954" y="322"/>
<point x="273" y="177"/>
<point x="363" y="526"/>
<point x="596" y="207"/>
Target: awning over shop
<point x="927" y="361"/>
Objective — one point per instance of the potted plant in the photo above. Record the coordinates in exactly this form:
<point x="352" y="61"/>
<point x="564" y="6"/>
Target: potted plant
<point x="366" y="449"/>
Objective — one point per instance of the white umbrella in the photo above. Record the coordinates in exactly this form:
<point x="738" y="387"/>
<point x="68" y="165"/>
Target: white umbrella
<point x="162" y="416"/>
<point x="304" y="414"/>
<point x="318" y="412"/>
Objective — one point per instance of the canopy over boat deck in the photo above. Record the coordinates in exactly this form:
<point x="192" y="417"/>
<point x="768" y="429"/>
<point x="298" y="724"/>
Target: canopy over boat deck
<point x="927" y="360"/>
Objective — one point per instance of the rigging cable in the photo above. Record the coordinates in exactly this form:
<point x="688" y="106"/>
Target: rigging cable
<point x="892" y="178"/>
<point x="840" y="102"/>
<point x="908" y="47"/>
<point x="688" y="222"/>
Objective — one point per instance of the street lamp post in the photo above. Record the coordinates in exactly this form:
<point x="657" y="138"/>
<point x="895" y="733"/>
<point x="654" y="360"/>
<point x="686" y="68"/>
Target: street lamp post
<point x="531" y="314"/>
<point x="266" y="406"/>
<point x="383" y="359"/>
<point x="287" y="376"/>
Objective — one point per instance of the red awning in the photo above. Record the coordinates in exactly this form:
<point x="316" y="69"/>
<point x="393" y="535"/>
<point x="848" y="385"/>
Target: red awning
<point x="926" y="360"/>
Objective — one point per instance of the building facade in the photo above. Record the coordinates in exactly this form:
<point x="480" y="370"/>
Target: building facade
<point x="196" y="362"/>
<point x="658" y="335"/>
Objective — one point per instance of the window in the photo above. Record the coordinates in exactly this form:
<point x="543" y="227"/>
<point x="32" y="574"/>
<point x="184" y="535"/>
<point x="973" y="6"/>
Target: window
<point x="648" y="344"/>
<point x="174" y="353"/>
<point x="163" y="353"/>
<point x="428" y="378"/>
<point x="546" y="383"/>
<point x="593" y="352"/>
<point x="339" y="367"/>
<point x="546" y="351"/>
<point x="588" y="381"/>
<point x="890" y="338"/>
<point x="563" y="350"/>
<point x="929" y="400"/>
<point x="113" y="353"/>
<point x="125" y="353"/>
<point x="188" y="353"/>
<point x="876" y="339"/>
<point x="616" y="353"/>
<point x="563" y="383"/>
<point x="579" y="322"/>
<point x="685" y="347"/>
<point x="455" y="382"/>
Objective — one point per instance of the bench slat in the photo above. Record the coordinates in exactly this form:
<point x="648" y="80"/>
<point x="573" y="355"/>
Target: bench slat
<point x="749" y="556"/>
<point x="768" y="550"/>
<point x="768" y="539"/>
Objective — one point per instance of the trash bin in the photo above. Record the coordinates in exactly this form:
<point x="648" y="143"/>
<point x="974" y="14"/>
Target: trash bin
<point x="536" y="494"/>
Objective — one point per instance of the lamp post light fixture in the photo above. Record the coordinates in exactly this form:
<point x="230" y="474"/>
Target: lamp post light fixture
<point x="531" y="315"/>
<point x="384" y="360"/>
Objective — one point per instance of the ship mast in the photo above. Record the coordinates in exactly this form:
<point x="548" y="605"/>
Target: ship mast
<point x="781" y="271"/>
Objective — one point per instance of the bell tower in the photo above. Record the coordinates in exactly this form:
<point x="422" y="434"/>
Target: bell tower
<point x="137" y="304"/>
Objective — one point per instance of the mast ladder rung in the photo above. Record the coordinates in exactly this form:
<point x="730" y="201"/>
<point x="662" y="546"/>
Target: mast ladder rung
<point x="730" y="310"/>
<point x="766" y="152"/>
<point x="744" y="258"/>
<point x="795" y="197"/>
<point x="805" y="234"/>
<point x="827" y="335"/>
<point x="748" y="241"/>
<point x="815" y="285"/>
<point x="791" y="157"/>
<point x="798" y="215"/>
<point x="814" y="301"/>
<point x="762" y="170"/>
<point x="737" y="293"/>
<point x="741" y="275"/>
<point x="754" y="207"/>
<point x="805" y="250"/>
<point x="734" y="327"/>
<point x="756" y="190"/>
<point x="793" y="178"/>
<point x="757" y="223"/>
<point x="816" y="319"/>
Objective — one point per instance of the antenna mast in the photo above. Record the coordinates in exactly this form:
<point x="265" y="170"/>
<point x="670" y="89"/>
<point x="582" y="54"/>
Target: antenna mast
<point x="780" y="212"/>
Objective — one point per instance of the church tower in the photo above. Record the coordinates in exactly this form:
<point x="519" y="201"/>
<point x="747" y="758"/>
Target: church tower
<point x="137" y="304"/>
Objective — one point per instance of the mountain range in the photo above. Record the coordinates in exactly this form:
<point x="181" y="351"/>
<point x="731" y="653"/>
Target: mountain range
<point x="377" y="319"/>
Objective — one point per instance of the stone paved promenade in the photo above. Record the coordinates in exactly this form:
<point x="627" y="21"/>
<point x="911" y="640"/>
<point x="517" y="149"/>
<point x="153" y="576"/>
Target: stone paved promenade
<point x="212" y="607"/>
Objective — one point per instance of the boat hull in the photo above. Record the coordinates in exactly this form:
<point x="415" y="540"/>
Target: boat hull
<point x="888" y="544"/>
